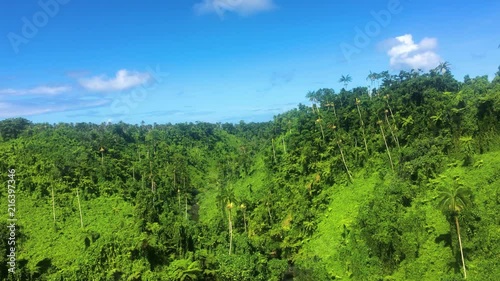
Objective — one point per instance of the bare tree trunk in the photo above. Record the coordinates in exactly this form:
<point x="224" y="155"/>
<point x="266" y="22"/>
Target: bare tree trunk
<point x="284" y="147"/>
<point x="460" y="243"/>
<point x="79" y="207"/>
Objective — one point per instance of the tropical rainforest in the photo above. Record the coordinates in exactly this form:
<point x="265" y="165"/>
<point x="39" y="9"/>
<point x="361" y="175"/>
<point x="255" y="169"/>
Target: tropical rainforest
<point x="396" y="181"/>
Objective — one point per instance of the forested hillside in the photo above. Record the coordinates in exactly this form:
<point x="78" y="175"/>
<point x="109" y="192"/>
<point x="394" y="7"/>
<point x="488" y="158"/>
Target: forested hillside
<point x="397" y="182"/>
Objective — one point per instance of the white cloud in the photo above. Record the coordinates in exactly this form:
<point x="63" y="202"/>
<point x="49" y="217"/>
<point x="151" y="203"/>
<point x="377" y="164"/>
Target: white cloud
<point x="123" y="80"/>
<point x="241" y="7"/>
<point x="20" y="109"/>
<point x="405" y="53"/>
<point x="41" y="90"/>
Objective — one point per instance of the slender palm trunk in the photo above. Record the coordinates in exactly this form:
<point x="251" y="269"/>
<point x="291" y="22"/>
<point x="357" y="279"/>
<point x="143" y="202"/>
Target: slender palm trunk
<point x="343" y="160"/>
<point x="179" y="199"/>
<point x="362" y="128"/>
<point x="284" y="147"/>
<point x="245" y="220"/>
<point x="386" y="146"/>
<point x="230" y="231"/>
<point x="151" y="174"/>
<point x="178" y="194"/>
<point x="186" y="205"/>
<point x="274" y="151"/>
<point x="392" y="132"/>
<point x="390" y="110"/>
<point x="79" y="207"/>
<point x="322" y="132"/>
<point x="269" y="212"/>
<point x="53" y="205"/>
<point x="460" y="244"/>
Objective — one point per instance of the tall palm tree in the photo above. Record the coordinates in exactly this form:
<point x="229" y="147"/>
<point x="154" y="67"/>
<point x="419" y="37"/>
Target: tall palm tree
<point x="452" y="202"/>
<point x="377" y="77"/>
<point x="372" y="77"/>
<point x="345" y="80"/>
<point x="313" y="98"/>
<point x="443" y="67"/>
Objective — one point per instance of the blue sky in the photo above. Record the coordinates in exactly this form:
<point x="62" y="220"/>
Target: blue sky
<point x="221" y="60"/>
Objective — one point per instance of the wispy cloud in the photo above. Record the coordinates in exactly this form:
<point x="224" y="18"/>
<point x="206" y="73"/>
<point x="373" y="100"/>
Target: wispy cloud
<point x="123" y="80"/>
<point x="278" y="78"/>
<point x="241" y="7"/>
<point x="41" y="90"/>
<point x="405" y="53"/>
<point x="23" y="109"/>
<point x="76" y="74"/>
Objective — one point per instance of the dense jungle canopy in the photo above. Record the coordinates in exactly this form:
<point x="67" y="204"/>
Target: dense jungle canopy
<point x="396" y="181"/>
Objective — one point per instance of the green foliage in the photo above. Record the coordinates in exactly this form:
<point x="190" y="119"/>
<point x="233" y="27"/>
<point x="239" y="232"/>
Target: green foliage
<point x="311" y="195"/>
